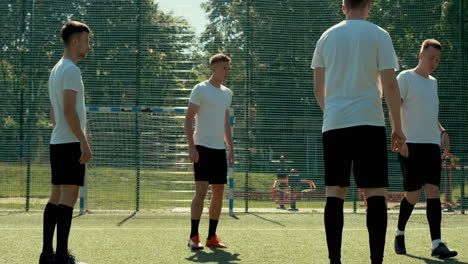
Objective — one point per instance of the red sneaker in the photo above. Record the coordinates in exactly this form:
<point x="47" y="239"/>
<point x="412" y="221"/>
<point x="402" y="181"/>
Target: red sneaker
<point x="194" y="243"/>
<point x="214" y="241"/>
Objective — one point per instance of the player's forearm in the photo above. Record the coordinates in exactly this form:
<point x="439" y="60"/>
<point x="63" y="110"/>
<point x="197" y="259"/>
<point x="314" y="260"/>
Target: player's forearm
<point x="74" y="122"/>
<point x="188" y="128"/>
<point x="228" y="137"/>
<point x="320" y="96"/>
<point x="319" y="86"/>
<point x="52" y="116"/>
<point x="393" y="101"/>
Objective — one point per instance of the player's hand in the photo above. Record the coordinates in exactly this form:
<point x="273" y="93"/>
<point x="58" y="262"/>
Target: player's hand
<point x="446" y="145"/>
<point x="193" y="154"/>
<point x="232" y="157"/>
<point x="398" y="139"/>
<point x="404" y="150"/>
<point x="86" y="152"/>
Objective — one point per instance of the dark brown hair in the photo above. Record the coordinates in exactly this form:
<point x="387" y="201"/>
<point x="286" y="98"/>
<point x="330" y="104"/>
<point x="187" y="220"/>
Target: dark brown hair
<point x="431" y="43"/>
<point x="218" y="58"/>
<point x="352" y="4"/>
<point x="73" y="27"/>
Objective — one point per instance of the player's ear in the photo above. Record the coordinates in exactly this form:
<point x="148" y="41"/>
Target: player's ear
<point x="343" y="8"/>
<point x="420" y="55"/>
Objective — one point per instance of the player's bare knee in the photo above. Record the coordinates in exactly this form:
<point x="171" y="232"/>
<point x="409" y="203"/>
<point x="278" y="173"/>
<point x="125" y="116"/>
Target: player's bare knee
<point x="337" y="191"/>
<point x="54" y="194"/>
<point x="69" y="194"/>
<point x="217" y="189"/>
<point x="432" y="191"/>
<point x="412" y="197"/>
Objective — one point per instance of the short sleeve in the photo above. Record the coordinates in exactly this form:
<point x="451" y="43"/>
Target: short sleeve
<point x="72" y="79"/>
<point x="403" y="84"/>
<point x="387" y="58"/>
<point x="195" y="97"/>
<point x="317" y="59"/>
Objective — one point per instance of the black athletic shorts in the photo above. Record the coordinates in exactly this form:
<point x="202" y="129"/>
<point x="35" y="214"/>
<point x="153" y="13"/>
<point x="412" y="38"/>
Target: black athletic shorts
<point x="65" y="164"/>
<point x="362" y="147"/>
<point x="422" y="166"/>
<point x="211" y="165"/>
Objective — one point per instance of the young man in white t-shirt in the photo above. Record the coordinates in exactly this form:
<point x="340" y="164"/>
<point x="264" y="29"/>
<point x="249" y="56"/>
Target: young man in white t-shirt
<point x="348" y="60"/>
<point x="420" y="157"/>
<point x="69" y="147"/>
<point x="210" y="103"/>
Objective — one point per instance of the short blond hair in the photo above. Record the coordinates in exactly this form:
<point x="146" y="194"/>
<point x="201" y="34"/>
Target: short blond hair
<point x="219" y="57"/>
<point x="430" y="43"/>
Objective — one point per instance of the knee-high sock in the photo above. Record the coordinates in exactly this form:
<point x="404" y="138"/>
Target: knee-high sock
<point x="377" y="227"/>
<point x="334" y="227"/>
<point x="50" y="220"/>
<point x="65" y="214"/>
<point x="434" y="217"/>
<point x="212" y="228"/>
<point x="194" y="230"/>
<point x="405" y="212"/>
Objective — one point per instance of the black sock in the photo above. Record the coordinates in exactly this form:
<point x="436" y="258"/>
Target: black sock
<point x="194" y="231"/>
<point x="50" y="220"/>
<point x="405" y="212"/>
<point x="434" y="217"/>
<point x="65" y="214"/>
<point x="334" y="227"/>
<point x="212" y="228"/>
<point x="377" y="227"/>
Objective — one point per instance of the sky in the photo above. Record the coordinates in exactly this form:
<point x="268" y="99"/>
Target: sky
<point x="189" y="9"/>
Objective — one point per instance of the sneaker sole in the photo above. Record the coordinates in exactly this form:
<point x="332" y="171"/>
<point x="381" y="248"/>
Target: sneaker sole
<point x="451" y="255"/>
<point x="194" y="248"/>
<point x="216" y="246"/>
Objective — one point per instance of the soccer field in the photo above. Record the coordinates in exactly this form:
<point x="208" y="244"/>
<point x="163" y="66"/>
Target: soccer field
<point x="251" y="238"/>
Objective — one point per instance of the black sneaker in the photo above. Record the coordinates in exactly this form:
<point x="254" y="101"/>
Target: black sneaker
<point x="68" y="259"/>
<point x="400" y="244"/>
<point x="443" y="252"/>
<point x="46" y="258"/>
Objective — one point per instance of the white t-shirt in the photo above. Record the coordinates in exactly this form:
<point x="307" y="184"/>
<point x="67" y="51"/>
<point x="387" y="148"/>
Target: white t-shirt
<point x="210" y="118"/>
<point x="352" y="53"/>
<point x="420" y="108"/>
<point x="65" y="76"/>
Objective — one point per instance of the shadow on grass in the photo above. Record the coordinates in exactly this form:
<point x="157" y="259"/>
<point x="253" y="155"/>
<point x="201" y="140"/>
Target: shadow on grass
<point x="268" y="220"/>
<point x="234" y="217"/>
<point x="436" y="261"/>
<point x="126" y="219"/>
<point x="216" y="255"/>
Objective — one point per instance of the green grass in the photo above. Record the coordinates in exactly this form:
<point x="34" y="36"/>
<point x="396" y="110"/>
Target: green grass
<point x="251" y="238"/>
